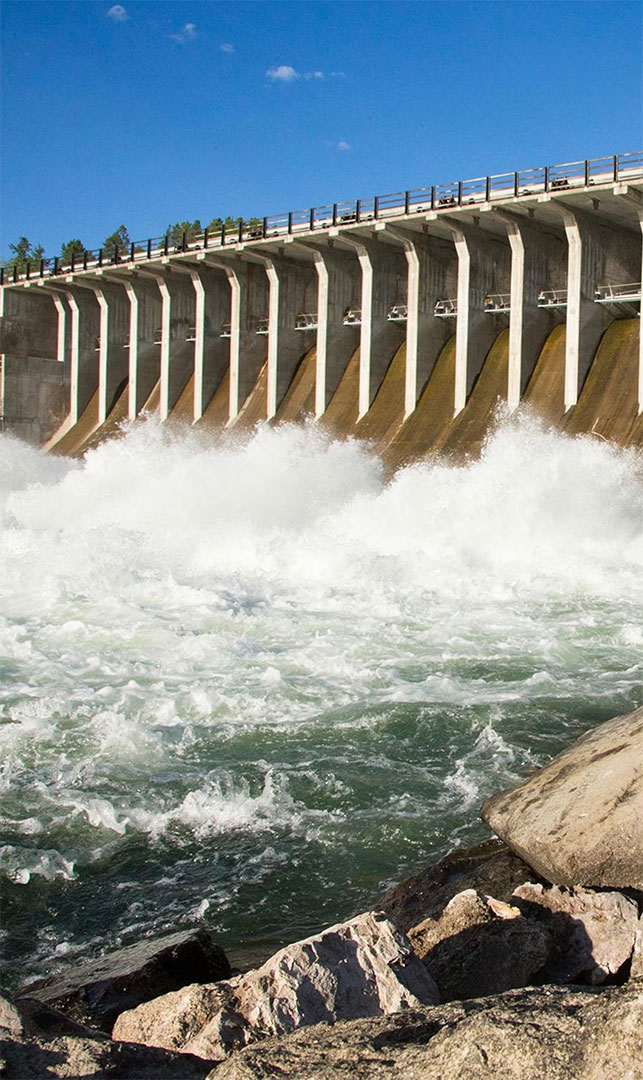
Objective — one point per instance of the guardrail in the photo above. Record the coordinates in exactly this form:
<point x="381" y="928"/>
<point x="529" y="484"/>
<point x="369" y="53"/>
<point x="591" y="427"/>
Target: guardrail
<point x="497" y="302"/>
<point x="618" y="294"/>
<point x="306" y="320"/>
<point x="552" y="298"/>
<point x="446" y="308"/>
<point x="569" y="175"/>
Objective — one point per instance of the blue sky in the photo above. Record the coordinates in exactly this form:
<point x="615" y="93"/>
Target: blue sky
<point x="145" y="113"/>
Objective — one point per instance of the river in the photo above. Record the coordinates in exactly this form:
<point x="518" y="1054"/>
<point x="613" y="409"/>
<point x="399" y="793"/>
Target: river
<point x="248" y="684"/>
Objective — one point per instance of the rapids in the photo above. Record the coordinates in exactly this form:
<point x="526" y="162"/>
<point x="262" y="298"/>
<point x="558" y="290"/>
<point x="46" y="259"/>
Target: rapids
<point x="249" y="683"/>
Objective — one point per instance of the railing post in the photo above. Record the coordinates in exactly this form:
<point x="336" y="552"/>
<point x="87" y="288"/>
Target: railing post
<point x="358" y="210"/>
<point x="615" y="168"/>
<point x="586" y="172"/>
<point x="222" y="233"/>
<point x="184" y="241"/>
<point x="131" y="251"/>
<point x="376" y="207"/>
<point x="265" y="227"/>
<point x="116" y="254"/>
<point x="240" y="230"/>
<point x="100" y="256"/>
<point x="205" y="238"/>
<point x="407" y="202"/>
<point x="149" y="248"/>
<point x="42" y="268"/>
<point x="73" y="261"/>
<point x="166" y="244"/>
<point x="487" y="189"/>
<point x="1" y="275"/>
<point x="433" y="197"/>
<point x="546" y="177"/>
<point x="85" y="254"/>
<point x="311" y="219"/>
<point x="516" y="188"/>
<point x="290" y="223"/>
<point x="334" y="213"/>
<point x="459" y="192"/>
<point x="28" y="271"/>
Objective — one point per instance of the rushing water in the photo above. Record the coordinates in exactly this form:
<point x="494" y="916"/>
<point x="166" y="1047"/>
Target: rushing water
<point x="248" y="684"/>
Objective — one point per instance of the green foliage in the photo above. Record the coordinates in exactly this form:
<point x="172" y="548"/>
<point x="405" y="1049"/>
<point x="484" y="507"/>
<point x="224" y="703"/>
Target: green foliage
<point x="73" y="248"/>
<point x="192" y="229"/>
<point x="24" y="253"/>
<point x="117" y="242"/>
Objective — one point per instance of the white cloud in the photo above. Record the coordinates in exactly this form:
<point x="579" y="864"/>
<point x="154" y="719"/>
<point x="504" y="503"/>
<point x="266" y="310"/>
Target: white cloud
<point x="283" y="73"/>
<point x="313" y="75"/>
<point x="117" y="13"/>
<point x="343" y="145"/>
<point x="227" y="48"/>
<point x="188" y="33"/>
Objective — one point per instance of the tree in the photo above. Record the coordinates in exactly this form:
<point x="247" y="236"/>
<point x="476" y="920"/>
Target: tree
<point x="73" y="249"/>
<point x="24" y="253"/>
<point x="117" y="243"/>
<point x="174" y="233"/>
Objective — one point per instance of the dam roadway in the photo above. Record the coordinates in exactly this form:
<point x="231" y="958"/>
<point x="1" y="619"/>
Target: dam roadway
<point x="401" y="319"/>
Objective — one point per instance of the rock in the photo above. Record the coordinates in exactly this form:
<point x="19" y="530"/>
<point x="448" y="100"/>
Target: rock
<point x="30" y="1017"/>
<point x="76" y="1058"/>
<point x="95" y="993"/>
<point x="480" y="946"/>
<point x="490" y="869"/>
<point x="546" y="1032"/>
<point x="592" y="933"/>
<point x="364" y="967"/>
<point x="577" y="820"/>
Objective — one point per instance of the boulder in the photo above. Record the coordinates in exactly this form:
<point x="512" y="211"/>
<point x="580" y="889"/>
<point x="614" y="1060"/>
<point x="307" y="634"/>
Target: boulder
<point x="577" y="820"/>
<point x="593" y="933"/>
<point x="30" y="1017"/>
<point x="480" y="946"/>
<point x="95" y="993"/>
<point x="364" y="967"/>
<point x="551" y="1032"/>
<point x="75" y="1058"/>
<point x="490" y="868"/>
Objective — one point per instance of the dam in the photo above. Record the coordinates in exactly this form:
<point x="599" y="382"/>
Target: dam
<point x="249" y="682"/>
<point x="401" y="319"/>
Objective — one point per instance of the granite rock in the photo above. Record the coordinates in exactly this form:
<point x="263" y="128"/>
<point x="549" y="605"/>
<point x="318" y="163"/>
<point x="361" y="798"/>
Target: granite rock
<point x="95" y="993"/>
<point x="577" y="820"/>
<point x="480" y="946"/>
<point x="593" y="933"/>
<point x="364" y="967"/>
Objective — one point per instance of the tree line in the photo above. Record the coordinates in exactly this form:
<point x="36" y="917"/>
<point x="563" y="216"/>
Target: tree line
<point x="24" y="253"/>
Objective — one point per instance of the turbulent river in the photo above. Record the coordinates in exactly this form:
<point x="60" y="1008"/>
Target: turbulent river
<point x="248" y="685"/>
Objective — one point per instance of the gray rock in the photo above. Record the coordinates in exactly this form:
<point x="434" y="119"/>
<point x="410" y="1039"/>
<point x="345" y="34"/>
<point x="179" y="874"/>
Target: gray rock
<point x="491" y="868"/>
<point x="97" y="992"/>
<point x="546" y="1032"/>
<point x="364" y="967"/>
<point x="30" y="1017"/>
<point x="577" y="821"/>
<point x="76" y="1058"/>
<point x="480" y="946"/>
<point x="593" y="933"/>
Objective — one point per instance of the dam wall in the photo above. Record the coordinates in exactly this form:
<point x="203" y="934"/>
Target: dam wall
<point x="403" y="319"/>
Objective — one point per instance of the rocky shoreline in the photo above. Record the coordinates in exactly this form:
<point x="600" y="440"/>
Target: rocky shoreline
<point x="522" y="958"/>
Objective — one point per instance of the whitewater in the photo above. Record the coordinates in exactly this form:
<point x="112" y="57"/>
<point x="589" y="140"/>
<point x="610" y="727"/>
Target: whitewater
<point x="248" y="683"/>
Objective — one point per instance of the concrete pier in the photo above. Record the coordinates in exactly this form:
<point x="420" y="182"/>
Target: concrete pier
<point x="348" y="306"/>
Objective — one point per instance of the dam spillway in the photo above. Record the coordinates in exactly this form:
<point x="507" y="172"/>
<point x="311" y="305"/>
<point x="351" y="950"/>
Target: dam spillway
<point x="345" y="313"/>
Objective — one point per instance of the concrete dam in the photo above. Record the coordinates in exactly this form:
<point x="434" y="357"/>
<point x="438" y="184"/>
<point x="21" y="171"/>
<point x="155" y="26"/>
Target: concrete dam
<point x="403" y="319"/>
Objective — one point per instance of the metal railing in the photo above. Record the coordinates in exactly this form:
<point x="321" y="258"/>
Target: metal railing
<point x="497" y="302"/>
<point x="398" y="313"/>
<point x="263" y="325"/>
<point x="226" y="330"/>
<point x="306" y="320"/>
<point x="552" y="298"/>
<point x="618" y="294"/>
<point x="446" y="309"/>
<point x="439" y="197"/>
<point x="353" y="317"/>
